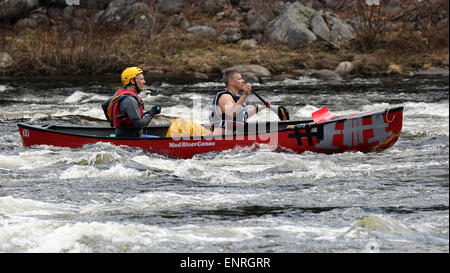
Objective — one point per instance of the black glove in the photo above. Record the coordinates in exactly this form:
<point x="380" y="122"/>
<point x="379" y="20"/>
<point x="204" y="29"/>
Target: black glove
<point x="154" y="111"/>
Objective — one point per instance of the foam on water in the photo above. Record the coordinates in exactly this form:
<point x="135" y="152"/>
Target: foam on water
<point x="27" y="160"/>
<point x="115" y="172"/>
<point x="84" y="97"/>
<point x="46" y="236"/>
<point x="165" y="164"/>
<point x="426" y="118"/>
<point x="386" y="231"/>
<point x="194" y="97"/>
<point x="92" y="113"/>
<point x="303" y="80"/>
<point x="150" y="99"/>
<point x="365" y="81"/>
<point x="224" y="167"/>
<point x="209" y="84"/>
<point x="200" y="115"/>
<point x="46" y="158"/>
<point x="171" y="201"/>
<point x="25" y="233"/>
<point x="215" y="84"/>
<point x="26" y="207"/>
<point x="78" y="96"/>
<point x="218" y="170"/>
<point x="35" y="235"/>
<point x="31" y="235"/>
<point x="3" y="88"/>
<point x="427" y="109"/>
<point x="376" y="223"/>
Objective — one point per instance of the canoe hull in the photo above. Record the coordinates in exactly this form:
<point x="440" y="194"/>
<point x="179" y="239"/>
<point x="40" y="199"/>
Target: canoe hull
<point x="366" y="132"/>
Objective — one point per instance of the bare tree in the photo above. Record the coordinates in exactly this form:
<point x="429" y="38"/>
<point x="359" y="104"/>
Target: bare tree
<point x="370" y="23"/>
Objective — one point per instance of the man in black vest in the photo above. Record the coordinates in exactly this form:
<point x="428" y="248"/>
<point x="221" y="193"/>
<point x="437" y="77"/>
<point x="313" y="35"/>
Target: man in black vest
<point x="228" y="107"/>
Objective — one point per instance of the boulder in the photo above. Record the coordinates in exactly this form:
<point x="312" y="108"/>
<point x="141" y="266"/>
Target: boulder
<point x="5" y="59"/>
<point x="312" y="4"/>
<point x="257" y="21"/>
<point x="329" y="61"/>
<point x="170" y="6"/>
<point x="291" y="27"/>
<point x="121" y="12"/>
<point x="229" y="35"/>
<point x="35" y="19"/>
<point x="16" y="9"/>
<point x="433" y="71"/>
<point x="180" y="21"/>
<point x="200" y="76"/>
<point x="113" y="14"/>
<point x="325" y="75"/>
<point x="298" y="72"/>
<point x="206" y="32"/>
<point x="153" y="73"/>
<point x="340" y="30"/>
<point x="331" y="28"/>
<point x="257" y="70"/>
<point x="25" y="23"/>
<point x="344" y="68"/>
<point x="250" y="77"/>
<point x="393" y="8"/>
<point x="320" y="27"/>
<point x="211" y="7"/>
<point x="144" y="23"/>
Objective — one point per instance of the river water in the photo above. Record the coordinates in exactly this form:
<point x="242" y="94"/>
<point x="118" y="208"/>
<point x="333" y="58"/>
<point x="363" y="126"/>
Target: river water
<point x="102" y="198"/>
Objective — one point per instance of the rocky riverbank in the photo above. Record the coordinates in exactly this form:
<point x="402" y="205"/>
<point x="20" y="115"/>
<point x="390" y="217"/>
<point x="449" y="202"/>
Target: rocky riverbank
<point x="329" y="40"/>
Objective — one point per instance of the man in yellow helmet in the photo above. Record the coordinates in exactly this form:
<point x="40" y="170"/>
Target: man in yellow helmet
<point x="126" y="109"/>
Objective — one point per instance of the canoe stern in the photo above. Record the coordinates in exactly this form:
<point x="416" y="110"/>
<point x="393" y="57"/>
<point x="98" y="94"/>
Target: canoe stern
<point x="366" y="132"/>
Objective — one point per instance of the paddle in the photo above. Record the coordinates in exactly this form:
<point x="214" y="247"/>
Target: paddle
<point x="322" y="115"/>
<point x="281" y="111"/>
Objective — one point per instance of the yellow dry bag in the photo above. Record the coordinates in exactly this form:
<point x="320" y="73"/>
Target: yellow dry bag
<point x="186" y="127"/>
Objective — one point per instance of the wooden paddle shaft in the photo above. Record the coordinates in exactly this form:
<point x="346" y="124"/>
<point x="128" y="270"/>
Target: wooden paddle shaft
<point x="259" y="97"/>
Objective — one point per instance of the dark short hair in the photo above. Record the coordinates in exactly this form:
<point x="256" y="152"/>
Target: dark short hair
<point x="228" y="74"/>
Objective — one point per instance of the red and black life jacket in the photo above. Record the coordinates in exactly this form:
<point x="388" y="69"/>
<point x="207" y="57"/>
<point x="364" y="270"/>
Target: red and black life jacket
<point x="117" y="118"/>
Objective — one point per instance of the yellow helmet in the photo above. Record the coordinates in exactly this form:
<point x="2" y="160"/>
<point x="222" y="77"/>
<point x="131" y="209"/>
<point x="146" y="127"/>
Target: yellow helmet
<point x="129" y="74"/>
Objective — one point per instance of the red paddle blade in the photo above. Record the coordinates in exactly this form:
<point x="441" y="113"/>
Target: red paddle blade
<point x="322" y="115"/>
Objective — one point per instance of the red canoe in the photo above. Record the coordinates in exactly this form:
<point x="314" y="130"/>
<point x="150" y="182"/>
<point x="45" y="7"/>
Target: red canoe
<point x="364" y="132"/>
